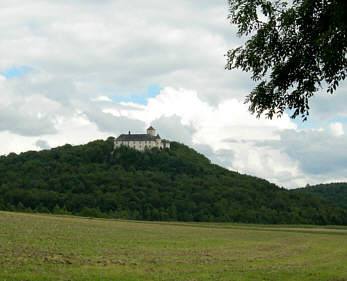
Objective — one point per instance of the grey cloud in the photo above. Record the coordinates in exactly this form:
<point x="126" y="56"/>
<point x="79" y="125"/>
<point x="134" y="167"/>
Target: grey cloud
<point x="60" y="89"/>
<point x="325" y="106"/>
<point x="20" y="122"/>
<point x="206" y="150"/>
<point x="106" y="122"/>
<point x="317" y="152"/>
<point x="224" y="157"/>
<point x="171" y="128"/>
<point x="42" y="144"/>
<point x="232" y="140"/>
<point x="275" y="144"/>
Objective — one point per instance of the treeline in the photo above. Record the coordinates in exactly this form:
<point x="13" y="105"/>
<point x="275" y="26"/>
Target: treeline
<point x="177" y="184"/>
<point x="333" y="192"/>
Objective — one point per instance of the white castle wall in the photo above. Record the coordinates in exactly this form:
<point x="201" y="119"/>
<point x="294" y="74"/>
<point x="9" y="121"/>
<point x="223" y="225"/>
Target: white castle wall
<point x="142" y="145"/>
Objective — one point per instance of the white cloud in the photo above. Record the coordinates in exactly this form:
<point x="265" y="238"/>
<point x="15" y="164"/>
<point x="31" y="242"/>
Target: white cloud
<point x="102" y="45"/>
<point x="102" y="98"/>
<point x="337" y="128"/>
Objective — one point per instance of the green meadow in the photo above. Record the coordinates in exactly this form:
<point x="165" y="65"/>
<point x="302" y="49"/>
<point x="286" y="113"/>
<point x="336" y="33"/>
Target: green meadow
<point x="47" y="247"/>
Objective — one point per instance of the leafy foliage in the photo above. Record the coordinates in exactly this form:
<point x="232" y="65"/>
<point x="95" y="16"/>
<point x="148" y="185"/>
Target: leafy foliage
<point x="176" y="184"/>
<point x="293" y="51"/>
<point x="333" y="192"/>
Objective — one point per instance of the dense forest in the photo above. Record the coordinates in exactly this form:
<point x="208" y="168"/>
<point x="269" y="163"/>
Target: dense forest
<point x="176" y="184"/>
<point x="333" y="192"/>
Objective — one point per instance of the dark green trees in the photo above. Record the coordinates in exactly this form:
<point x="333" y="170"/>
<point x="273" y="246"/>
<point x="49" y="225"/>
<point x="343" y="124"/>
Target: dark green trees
<point x="176" y="184"/>
<point x="333" y="192"/>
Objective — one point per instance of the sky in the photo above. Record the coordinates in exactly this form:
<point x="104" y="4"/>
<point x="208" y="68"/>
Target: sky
<point x="73" y="71"/>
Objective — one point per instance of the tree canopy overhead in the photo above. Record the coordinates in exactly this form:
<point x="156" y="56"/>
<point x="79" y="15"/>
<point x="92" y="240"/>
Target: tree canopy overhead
<point x="293" y="51"/>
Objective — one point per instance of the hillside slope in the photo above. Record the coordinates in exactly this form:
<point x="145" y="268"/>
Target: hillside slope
<point x="333" y="192"/>
<point x="176" y="184"/>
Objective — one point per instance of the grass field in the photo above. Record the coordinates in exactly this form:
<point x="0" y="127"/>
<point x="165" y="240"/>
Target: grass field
<point x="46" y="247"/>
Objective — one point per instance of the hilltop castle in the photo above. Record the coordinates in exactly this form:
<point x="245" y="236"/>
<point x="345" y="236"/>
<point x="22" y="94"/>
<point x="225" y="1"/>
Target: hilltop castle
<point x="141" y="141"/>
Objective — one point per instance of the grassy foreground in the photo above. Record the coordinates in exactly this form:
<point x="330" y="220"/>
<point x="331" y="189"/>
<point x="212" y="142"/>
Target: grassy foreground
<point x="45" y="247"/>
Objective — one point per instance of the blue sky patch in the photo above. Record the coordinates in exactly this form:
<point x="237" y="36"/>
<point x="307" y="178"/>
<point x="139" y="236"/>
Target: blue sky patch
<point x="310" y="123"/>
<point x="140" y="98"/>
<point x="340" y="119"/>
<point x="17" y="71"/>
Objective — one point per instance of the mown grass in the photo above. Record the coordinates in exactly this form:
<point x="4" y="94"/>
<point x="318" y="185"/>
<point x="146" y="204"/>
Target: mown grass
<point x="45" y="247"/>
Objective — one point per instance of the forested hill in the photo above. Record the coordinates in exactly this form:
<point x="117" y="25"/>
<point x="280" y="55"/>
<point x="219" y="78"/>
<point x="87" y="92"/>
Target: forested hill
<point x="176" y="184"/>
<point x="334" y="192"/>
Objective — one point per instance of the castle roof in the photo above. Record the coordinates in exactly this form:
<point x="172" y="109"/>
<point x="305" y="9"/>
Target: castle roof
<point x="137" y="137"/>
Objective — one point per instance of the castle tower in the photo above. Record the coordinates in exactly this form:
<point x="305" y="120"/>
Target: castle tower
<point x="151" y="131"/>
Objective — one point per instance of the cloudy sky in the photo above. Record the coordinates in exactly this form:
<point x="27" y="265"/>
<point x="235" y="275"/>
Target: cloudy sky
<point x="72" y="71"/>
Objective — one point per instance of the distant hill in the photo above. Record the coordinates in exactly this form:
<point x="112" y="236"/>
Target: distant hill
<point x="171" y="184"/>
<point x="333" y="192"/>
